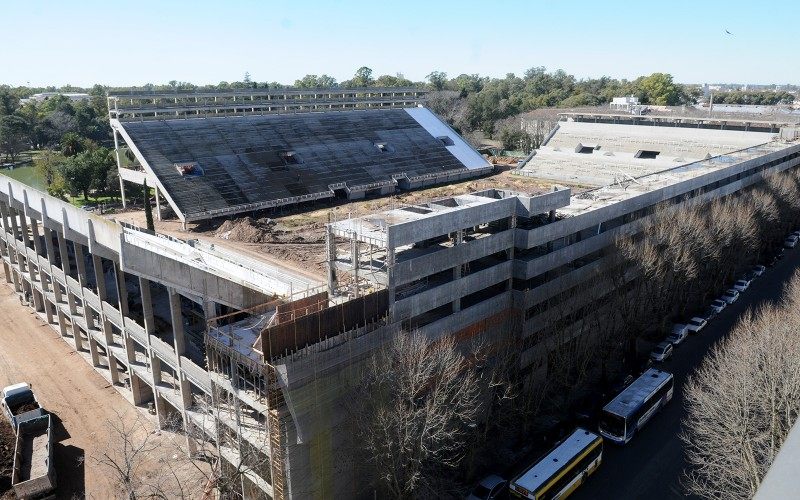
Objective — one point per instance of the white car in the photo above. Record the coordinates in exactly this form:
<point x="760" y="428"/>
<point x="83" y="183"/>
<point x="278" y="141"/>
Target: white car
<point x="741" y="285"/>
<point x="790" y="242"/>
<point x="488" y="488"/>
<point x="696" y="324"/>
<point x="730" y="296"/>
<point x="661" y="352"/>
<point x="758" y="270"/>
<point x="718" y="305"/>
<point x="676" y="337"/>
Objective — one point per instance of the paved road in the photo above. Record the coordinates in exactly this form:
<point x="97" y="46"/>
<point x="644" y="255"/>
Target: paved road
<point x="651" y="465"/>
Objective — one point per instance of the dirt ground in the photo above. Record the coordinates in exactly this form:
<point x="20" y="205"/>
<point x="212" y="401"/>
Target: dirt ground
<point x="81" y="400"/>
<point x="295" y="237"/>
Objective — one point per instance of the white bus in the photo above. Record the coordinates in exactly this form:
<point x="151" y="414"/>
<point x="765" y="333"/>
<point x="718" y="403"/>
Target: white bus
<point x="562" y="470"/>
<point x="634" y="406"/>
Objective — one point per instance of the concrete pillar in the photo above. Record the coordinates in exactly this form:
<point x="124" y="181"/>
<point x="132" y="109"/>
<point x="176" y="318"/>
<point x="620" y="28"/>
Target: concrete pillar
<point x="76" y="336"/>
<point x="7" y="272"/>
<point x="64" y="253"/>
<point x="122" y="291"/>
<point x="26" y="237"/>
<point x="73" y="308"/>
<point x="119" y="166"/>
<point x="139" y="389"/>
<point x="38" y="300"/>
<point x="161" y="410"/>
<point x="147" y="306"/>
<point x="15" y="278"/>
<point x="15" y="230"/>
<point x="178" y="333"/>
<point x="100" y="278"/>
<point x="158" y="204"/>
<point x="80" y="263"/>
<point x="112" y="366"/>
<point x="93" y="350"/>
<point x="37" y="238"/>
<point x="48" y="311"/>
<point x="62" y="322"/>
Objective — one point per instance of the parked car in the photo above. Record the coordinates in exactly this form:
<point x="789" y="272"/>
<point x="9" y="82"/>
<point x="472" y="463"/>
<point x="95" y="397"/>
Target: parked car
<point x="676" y="337"/>
<point x="795" y="233"/>
<point x="679" y="328"/>
<point x="718" y="305"/>
<point x="661" y="352"/>
<point x="791" y="241"/>
<point x="696" y="324"/>
<point x="741" y="285"/>
<point x="730" y="296"/>
<point x="758" y="270"/>
<point x="488" y="488"/>
<point x="709" y="314"/>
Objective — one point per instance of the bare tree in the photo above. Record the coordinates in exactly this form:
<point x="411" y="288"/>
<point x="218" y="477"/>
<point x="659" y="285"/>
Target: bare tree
<point x="742" y="402"/>
<point x="131" y="459"/>
<point x="415" y="408"/>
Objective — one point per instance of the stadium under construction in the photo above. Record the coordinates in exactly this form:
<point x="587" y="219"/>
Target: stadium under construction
<point x="185" y="325"/>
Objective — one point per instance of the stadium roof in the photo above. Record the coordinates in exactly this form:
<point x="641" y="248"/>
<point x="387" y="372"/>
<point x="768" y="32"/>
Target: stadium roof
<point x="208" y="167"/>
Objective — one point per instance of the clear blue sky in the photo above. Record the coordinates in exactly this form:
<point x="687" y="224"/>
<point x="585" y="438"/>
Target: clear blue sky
<point x="121" y="42"/>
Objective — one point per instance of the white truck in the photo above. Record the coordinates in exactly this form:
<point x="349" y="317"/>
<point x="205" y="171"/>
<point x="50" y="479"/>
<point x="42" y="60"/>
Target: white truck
<point x="34" y="476"/>
<point x="19" y="404"/>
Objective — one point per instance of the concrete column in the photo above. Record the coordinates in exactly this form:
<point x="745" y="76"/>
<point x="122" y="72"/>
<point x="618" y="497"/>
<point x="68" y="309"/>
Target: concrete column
<point x="100" y="278"/>
<point x="26" y="237"/>
<point x="122" y="291"/>
<point x="119" y="166"/>
<point x="137" y="389"/>
<point x="64" y="253"/>
<point x="15" y="278"/>
<point x="80" y="263"/>
<point x="13" y="214"/>
<point x="147" y="306"/>
<point x="48" y="311"/>
<point x="73" y="308"/>
<point x="112" y="366"/>
<point x="49" y="247"/>
<point x="158" y="204"/>
<point x="76" y="336"/>
<point x="62" y="322"/>
<point x="37" y="239"/>
<point x="93" y="350"/>
<point x="7" y="272"/>
<point x="38" y="300"/>
<point x="178" y="332"/>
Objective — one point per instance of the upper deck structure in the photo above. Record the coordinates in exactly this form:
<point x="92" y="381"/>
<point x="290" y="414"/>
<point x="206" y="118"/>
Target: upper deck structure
<point x="208" y="161"/>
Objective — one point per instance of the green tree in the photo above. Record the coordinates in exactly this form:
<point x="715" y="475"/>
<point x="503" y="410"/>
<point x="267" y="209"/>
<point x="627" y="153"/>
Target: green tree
<point x="437" y="79"/>
<point x="87" y="171"/>
<point x="47" y="164"/>
<point x="13" y="134"/>
<point x="72" y="144"/>
<point x="660" y="90"/>
<point x="77" y="173"/>
<point x="362" y="78"/>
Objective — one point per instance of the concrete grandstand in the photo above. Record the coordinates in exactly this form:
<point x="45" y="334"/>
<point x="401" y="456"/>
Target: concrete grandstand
<point x="217" y="165"/>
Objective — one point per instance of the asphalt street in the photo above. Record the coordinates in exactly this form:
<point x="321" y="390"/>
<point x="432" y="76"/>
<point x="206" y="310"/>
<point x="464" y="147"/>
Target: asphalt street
<point x="652" y="464"/>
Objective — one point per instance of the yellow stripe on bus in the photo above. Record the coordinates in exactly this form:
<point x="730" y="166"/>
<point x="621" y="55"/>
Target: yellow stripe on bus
<point x="575" y="461"/>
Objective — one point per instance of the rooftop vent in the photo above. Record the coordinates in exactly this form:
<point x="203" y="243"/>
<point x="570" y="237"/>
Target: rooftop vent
<point x="586" y="149"/>
<point x="446" y="140"/>
<point x="384" y="147"/>
<point x="646" y="154"/>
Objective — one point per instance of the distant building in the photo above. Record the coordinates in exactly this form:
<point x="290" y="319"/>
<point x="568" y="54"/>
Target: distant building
<point x="44" y="96"/>
<point x="629" y="104"/>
